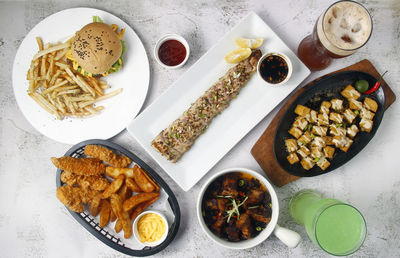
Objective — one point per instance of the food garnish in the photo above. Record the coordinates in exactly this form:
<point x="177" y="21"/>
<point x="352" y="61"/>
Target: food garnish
<point x="85" y="182"/>
<point x="249" y="43"/>
<point x="237" y="55"/>
<point x="376" y="85"/>
<point x="362" y="85"/>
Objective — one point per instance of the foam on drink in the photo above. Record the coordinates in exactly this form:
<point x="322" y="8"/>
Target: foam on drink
<point x="344" y="27"/>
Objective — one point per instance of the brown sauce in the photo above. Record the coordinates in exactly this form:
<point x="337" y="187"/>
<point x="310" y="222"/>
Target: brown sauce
<point x="172" y="52"/>
<point x="274" y="69"/>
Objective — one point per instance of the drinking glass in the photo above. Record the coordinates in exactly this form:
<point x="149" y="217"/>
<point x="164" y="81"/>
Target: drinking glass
<point x="340" y="31"/>
<point x="336" y="227"/>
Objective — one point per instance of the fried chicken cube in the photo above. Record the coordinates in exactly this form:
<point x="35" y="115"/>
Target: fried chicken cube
<point x="106" y="155"/>
<point x="370" y="104"/>
<point x="70" y="196"/>
<point x="302" y="110"/>
<point x="350" y="92"/>
<point x="80" y="166"/>
<point x="325" y="106"/>
<point x="296" y="132"/>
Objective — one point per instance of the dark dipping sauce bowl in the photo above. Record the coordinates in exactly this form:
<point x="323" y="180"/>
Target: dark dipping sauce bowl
<point x="171" y="51"/>
<point x="274" y="68"/>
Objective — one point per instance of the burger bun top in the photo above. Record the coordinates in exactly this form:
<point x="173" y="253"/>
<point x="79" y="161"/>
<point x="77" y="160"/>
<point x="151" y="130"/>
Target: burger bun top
<point x="96" y="47"/>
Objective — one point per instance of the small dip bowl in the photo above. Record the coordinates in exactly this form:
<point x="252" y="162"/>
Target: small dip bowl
<point x="171" y="51"/>
<point x="274" y="68"/>
<point x="136" y="233"/>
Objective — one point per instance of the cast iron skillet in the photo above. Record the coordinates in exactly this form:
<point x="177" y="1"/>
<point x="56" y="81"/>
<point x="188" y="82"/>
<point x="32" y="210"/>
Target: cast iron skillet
<point x="110" y="238"/>
<point x="326" y="89"/>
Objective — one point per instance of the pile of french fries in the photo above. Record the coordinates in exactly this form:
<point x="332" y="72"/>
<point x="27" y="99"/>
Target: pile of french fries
<point x="59" y="89"/>
<point x="119" y="201"/>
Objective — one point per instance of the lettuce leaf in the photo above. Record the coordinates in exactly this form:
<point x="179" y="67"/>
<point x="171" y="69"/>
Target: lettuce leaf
<point x="97" y="19"/>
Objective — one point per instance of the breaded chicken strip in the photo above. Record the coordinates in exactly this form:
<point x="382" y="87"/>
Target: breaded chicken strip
<point x="98" y="183"/>
<point x="74" y="196"/>
<point x="107" y="155"/>
<point x="71" y="197"/>
<point x="80" y="166"/>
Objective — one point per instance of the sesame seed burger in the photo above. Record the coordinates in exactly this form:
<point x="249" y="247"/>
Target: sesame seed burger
<point x="96" y="50"/>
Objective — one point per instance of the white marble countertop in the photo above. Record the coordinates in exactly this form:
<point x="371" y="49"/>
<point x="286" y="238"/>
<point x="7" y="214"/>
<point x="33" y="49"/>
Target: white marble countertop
<point x="33" y="223"/>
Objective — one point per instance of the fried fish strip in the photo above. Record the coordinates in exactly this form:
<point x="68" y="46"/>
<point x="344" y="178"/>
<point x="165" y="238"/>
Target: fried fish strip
<point x="107" y="155"/>
<point x="80" y="166"/>
<point x="98" y="183"/>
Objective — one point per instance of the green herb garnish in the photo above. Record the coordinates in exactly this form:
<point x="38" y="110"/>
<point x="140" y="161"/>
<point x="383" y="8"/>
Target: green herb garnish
<point x="258" y="228"/>
<point x="241" y="182"/>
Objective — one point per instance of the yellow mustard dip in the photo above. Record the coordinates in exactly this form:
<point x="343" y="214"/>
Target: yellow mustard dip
<point x="151" y="227"/>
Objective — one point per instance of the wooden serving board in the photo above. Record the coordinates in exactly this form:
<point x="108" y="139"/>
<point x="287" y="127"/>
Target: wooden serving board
<point x="263" y="150"/>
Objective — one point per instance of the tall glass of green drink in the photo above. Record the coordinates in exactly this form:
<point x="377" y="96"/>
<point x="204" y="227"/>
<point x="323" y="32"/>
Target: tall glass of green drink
<point x="338" y="228"/>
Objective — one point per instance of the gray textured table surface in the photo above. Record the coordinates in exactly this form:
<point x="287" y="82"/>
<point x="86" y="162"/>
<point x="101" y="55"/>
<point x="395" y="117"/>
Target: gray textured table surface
<point x="33" y="223"/>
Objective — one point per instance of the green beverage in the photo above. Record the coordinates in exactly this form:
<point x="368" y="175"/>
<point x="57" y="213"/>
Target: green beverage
<point x="336" y="227"/>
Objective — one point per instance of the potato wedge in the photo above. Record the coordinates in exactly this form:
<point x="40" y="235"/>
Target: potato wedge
<point x="95" y="205"/>
<point x="124" y="192"/>
<point x="142" y="181"/>
<point x="105" y="213"/>
<point x="116" y="205"/>
<point x="141" y="207"/>
<point x="118" y="226"/>
<point x="130" y="183"/>
<point x="113" y="217"/>
<point x="113" y="187"/>
<point x="115" y="172"/>
<point x="138" y="199"/>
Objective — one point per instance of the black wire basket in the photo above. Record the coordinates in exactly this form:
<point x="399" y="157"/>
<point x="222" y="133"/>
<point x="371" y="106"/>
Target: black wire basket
<point x="110" y="238"/>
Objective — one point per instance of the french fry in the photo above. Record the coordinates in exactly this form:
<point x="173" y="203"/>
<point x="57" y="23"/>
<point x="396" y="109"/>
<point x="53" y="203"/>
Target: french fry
<point x="50" y="89"/>
<point x="50" y="49"/>
<point x="113" y="187"/>
<point x="115" y="172"/>
<point x="106" y="96"/>
<point x="105" y="213"/>
<point x="40" y="43"/>
<point x="130" y="183"/>
<point x="50" y="73"/>
<point x="138" y="199"/>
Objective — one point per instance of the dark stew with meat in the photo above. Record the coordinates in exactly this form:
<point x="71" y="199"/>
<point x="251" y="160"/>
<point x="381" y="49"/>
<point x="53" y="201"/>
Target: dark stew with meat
<point x="236" y="206"/>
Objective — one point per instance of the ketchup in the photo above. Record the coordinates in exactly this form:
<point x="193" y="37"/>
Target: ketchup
<point x="172" y="52"/>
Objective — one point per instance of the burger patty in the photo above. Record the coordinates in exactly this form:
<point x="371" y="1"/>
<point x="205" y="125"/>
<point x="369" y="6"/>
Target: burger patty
<point x="177" y="138"/>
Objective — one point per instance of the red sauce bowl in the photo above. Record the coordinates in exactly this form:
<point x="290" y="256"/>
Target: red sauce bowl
<point x="171" y="51"/>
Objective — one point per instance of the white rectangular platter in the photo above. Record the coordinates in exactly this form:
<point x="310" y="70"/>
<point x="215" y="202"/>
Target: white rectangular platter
<point x="255" y="101"/>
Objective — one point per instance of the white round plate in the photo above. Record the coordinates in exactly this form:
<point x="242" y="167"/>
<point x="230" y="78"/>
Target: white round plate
<point x="118" y="111"/>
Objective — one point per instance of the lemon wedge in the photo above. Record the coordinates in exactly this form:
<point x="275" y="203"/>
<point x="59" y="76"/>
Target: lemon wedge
<point x="249" y="43"/>
<point x="237" y="55"/>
